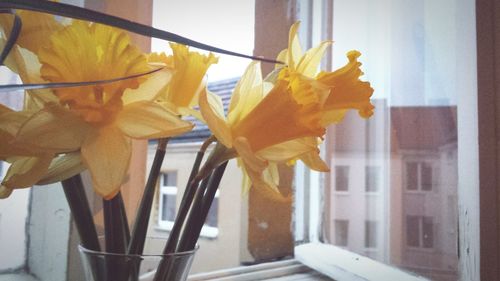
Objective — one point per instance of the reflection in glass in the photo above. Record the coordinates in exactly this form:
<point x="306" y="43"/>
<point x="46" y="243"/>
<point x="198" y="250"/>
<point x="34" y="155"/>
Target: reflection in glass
<point x="402" y="200"/>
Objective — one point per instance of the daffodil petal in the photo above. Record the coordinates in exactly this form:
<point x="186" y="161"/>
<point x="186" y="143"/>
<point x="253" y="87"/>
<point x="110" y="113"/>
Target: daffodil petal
<point x="247" y="93"/>
<point x="187" y="111"/>
<point x="5" y="192"/>
<point x="287" y="150"/>
<point x="63" y="167"/>
<point x="149" y="89"/>
<point x="53" y="128"/>
<point x="308" y="64"/>
<point x="26" y="171"/>
<point x="313" y="161"/>
<point x="106" y="153"/>
<point x="146" y="120"/>
<point x="210" y="111"/>
<point x="333" y="116"/>
<point x="4" y="109"/>
<point x="36" y="28"/>
<point x="250" y="159"/>
<point x="294" y="49"/>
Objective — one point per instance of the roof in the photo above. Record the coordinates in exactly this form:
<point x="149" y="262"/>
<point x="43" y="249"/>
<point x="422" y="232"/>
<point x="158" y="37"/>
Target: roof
<point x="200" y="132"/>
<point x="411" y="128"/>
<point x="425" y="127"/>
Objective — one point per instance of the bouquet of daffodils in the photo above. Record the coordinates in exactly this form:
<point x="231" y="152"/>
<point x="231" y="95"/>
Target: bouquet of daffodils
<point x="89" y="92"/>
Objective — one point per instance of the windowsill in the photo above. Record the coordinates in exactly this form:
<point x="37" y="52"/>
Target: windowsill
<point x="340" y="264"/>
<point x="17" y="277"/>
<point x="206" y="232"/>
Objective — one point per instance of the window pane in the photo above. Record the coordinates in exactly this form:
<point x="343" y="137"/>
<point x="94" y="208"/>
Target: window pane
<point x="372" y="178"/>
<point x="168" y="208"/>
<point x="411" y="176"/>
<point x="370" y="234"/>
<point x="341" y="232"/>
<point x="411" y="53"/>
<point x="213" y="213"/>
<point x="413" y="231"/>
<point x="426" y="176"/>
<point x="169" y="179"/>
<point x="427" y="232"/>
<point x="342" y="178"/>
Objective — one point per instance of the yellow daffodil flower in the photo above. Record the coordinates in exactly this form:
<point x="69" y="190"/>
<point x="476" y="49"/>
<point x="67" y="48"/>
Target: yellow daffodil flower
<point x="189" y="68"/>
<point x="346" y="91"/>
<point x="36" y="29"/>
<point x="263" y="125"/>
<point x="98" y="120"/>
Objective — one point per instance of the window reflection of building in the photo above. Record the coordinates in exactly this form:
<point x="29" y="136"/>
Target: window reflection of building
<point x="342" y="178"/>
<point x="341" y="233"/>
<point x="401" y="209"/>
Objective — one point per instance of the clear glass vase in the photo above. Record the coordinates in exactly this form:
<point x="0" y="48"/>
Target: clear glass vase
<point x="103" y="266"/>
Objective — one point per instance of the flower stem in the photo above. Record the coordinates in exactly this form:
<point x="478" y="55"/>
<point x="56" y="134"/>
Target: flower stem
<point x="115" y="225"/>
<point x="199" y="211"/>
<point x="82" y="216"/>
<point x="140" y="228"/>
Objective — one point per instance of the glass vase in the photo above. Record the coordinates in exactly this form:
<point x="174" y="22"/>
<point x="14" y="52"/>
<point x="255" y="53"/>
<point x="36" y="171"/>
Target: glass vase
<point x="103" y="266"/>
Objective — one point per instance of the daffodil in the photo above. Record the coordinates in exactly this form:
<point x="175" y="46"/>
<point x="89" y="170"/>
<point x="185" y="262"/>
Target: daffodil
<point x="36" y="29"/>
<point x="266" y="124"/>
<point x="189" y="68"/>
<point x="346" y="91"/>
<point x="98" y="120"/>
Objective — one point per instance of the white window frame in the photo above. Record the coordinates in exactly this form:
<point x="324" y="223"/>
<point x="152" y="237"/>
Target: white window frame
<point x="167" y="225"/>
<point x="165" y="190"/>
<point x="477" y="191"/>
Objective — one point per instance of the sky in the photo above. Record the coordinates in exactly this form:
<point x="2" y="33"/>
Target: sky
<point x="222" y="23"/>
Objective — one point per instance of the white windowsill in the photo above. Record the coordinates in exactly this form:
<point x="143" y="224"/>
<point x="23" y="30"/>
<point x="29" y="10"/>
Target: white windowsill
<point x="17" y="277"/>
<point x="206" y="232"/>
<point x="341" y="264"/>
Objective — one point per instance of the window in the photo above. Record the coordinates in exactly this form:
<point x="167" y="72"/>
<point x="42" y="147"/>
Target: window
<point x="210" y="228"/>
<point x="341" y="232"/>
<point x="371" y="234"/>
<point x="419" y="176"/>
<point x="167" y="206"/>
<point x="167" y="199"/>
<point x="407" y="152"/>
<point x="372" y="178"/>
<point x="419" y="232"/>
<point x="342" y="178"/>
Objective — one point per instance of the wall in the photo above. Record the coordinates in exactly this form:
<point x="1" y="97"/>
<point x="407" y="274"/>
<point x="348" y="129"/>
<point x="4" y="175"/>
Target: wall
<point x="214" y="253"/>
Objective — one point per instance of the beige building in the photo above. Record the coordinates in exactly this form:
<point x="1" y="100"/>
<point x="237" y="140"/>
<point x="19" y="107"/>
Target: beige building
<point x="400" y="209"/>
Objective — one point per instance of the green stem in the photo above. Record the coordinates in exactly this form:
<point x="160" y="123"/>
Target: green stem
<point x="82" y="216"/>
<point x="142" y="219"/>
<point x="115" y="227"/>
<point x="199" y="210"/>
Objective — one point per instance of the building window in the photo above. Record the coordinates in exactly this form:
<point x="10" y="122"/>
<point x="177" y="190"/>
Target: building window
<point x="419" y="232"/>
<point x="210" y="228"/>
<point x="342" y="178"/>
<point x="370" y="234"/>
<point x="168" y="198"/>
<point x="419" y="176"/>
<point x="372" y="176"/>
<point x="341" y="232"/>
<point x="168" y="206"/>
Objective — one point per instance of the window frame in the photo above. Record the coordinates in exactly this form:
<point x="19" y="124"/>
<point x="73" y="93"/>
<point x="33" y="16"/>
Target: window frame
<point x="478" y="192"/>
<point x="165" y="190"/>
<point x="207" y="231"/>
